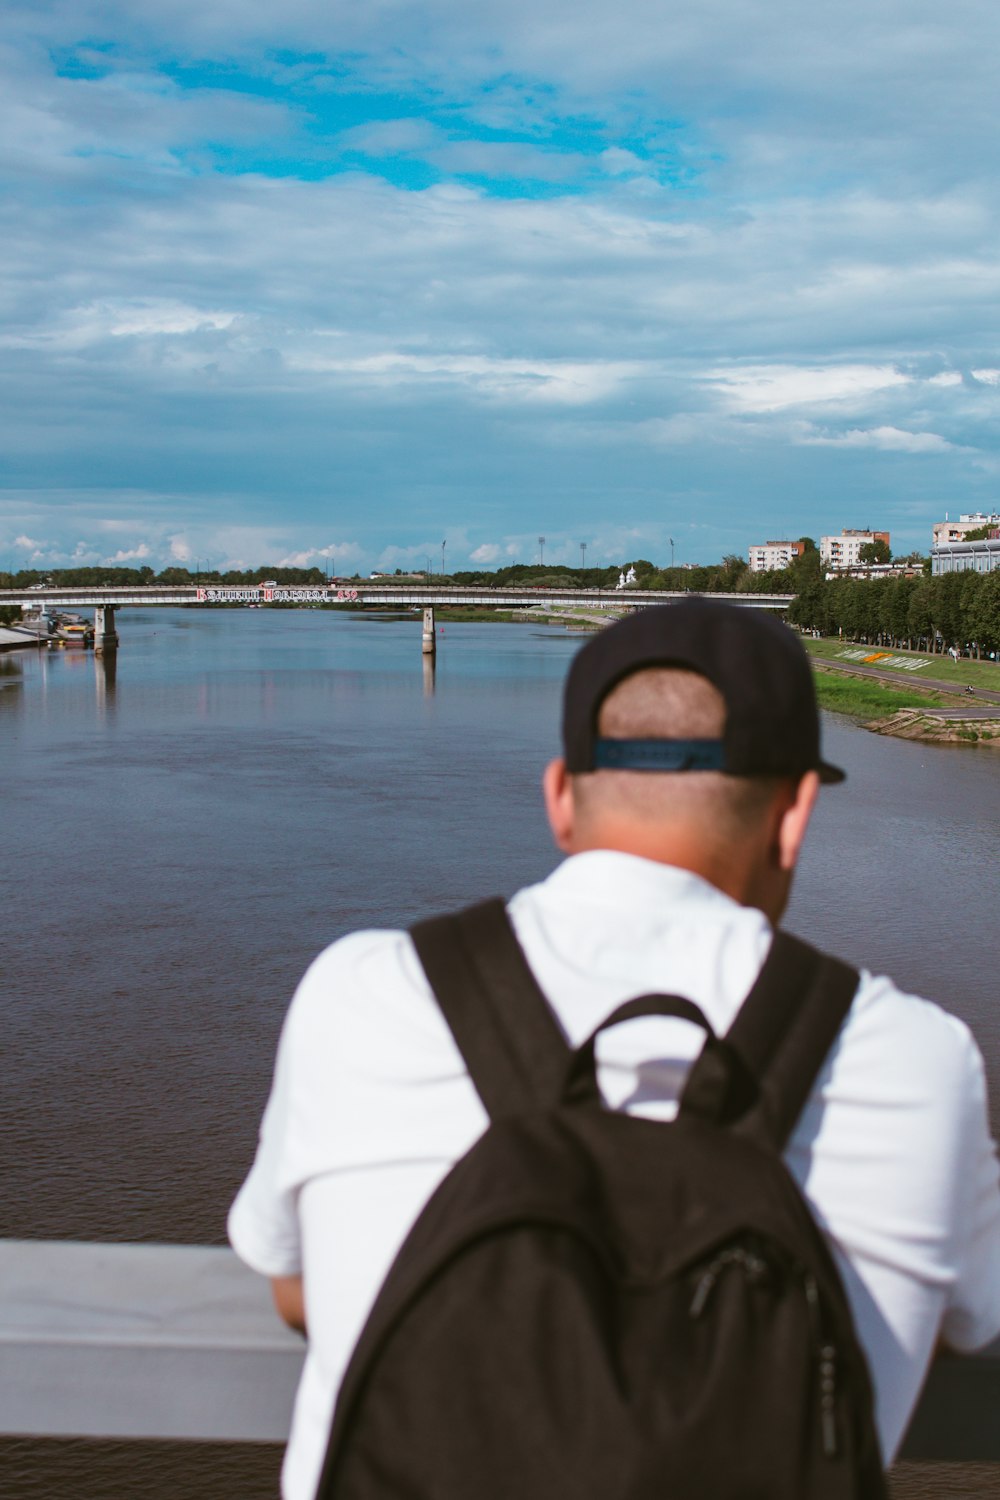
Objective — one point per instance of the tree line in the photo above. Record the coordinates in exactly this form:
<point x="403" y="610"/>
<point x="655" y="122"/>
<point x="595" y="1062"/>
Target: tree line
<point x="960" y="610"/>
<point x="173" y="577"/>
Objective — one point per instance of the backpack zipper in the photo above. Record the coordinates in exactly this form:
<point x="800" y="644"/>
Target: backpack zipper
<point x="826" y="1354"/>
<point x="736" y="1255"/>
<point x="756" y="1269"/>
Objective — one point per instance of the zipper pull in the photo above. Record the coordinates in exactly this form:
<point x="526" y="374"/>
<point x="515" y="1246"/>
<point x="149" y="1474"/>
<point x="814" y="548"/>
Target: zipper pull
<point x="703" y="1291"/>
<point x="828" y="1399"/>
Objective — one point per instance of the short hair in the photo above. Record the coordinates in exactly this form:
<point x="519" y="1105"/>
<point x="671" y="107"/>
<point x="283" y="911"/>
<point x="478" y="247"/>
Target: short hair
<point x="672" y="703"/>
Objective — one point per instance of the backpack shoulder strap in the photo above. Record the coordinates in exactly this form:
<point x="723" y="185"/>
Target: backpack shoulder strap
<point x="512" y="1044"/>
<point x="785" y="1029"/>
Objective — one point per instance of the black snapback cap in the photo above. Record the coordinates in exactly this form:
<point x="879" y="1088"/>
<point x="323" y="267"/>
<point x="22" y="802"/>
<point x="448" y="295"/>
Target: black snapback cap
<point x="753" y="659"/>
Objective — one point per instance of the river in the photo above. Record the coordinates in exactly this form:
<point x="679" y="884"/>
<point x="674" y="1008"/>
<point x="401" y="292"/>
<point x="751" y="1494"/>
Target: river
<point x="185" y="826"/>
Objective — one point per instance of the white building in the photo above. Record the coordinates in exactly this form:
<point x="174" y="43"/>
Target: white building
<point x="965" y="557"/>
<point x="844" y="551"/>
<point x="766" y="557"/>
<point x="956" y="531"/>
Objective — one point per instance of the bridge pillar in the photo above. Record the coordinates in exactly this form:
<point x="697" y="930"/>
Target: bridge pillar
<point x="105" y="635"/>
<point x="429" y="642"/>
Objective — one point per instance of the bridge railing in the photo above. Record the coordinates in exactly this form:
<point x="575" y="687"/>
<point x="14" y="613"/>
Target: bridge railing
<point x="181" y="1342"/>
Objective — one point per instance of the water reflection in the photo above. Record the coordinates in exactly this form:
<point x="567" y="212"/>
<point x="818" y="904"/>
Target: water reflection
<point x="106" y="680"/>
<point x="430" y="673"/>
<point x="11" y="678"/>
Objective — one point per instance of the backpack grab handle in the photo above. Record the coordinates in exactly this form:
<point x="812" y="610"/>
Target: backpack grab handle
<point x="581" y="1075"/>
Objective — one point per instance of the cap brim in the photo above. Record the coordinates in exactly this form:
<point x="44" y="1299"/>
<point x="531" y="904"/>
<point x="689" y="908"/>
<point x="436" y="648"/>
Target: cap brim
<point x="830" y="775"/>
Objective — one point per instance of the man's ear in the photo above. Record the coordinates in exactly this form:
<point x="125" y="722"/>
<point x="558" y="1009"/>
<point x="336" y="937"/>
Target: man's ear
<point x="794" y="821"/>
<point x="559" y="805"/>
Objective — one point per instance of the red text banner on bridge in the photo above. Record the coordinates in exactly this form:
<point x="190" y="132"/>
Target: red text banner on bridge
<point x="264" y="595"/>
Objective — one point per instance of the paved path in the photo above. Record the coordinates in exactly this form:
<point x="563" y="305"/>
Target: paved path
<point x="986" y="711"/>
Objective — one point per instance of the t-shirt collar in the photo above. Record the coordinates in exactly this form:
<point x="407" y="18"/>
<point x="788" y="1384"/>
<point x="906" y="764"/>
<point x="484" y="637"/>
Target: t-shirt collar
<point x="629" y="880"/>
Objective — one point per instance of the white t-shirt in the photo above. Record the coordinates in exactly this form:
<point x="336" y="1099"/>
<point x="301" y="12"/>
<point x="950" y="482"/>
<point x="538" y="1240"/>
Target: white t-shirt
<point x="371" y="1105"/>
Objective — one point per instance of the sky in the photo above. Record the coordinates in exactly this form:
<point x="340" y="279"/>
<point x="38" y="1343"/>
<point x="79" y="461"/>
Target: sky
<point x="366" y="283"/>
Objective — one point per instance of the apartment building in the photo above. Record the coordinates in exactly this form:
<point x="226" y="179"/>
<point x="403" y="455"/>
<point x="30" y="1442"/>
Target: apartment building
<point x="844" y="551"/>
<point x="956" y="531"/>
<point x="766" y="557"/>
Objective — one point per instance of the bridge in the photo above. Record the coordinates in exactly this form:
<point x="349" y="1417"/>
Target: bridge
<point x="426" y="596"/>
<point x="181" y="1342"/>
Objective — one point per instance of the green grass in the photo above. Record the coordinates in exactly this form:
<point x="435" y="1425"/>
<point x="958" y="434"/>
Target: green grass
<point x="473" y="614"/>
<point x="982" y="674"/>
<point x="866" y="699"/>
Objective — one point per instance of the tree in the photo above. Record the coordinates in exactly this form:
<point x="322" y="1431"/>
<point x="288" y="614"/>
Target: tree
<point x="875" y="552"/>
<point x="984" y="614"/>
<point x="900" y="592"/>
<point x="807" y="568"/>
<point x="730" y="572"/>
<point x="920" y="615"/>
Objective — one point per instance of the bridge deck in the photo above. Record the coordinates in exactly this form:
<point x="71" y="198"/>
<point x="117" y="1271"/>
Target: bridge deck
<point x="369" y="593"/>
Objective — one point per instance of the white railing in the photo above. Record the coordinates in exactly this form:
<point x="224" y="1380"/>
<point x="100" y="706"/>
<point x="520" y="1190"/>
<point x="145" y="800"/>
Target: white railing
<point x="162" y="1341"/>
<point x="140" y="1341"/>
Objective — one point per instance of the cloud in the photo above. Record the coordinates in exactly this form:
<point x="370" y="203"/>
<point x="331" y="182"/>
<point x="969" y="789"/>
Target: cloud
<point x="387" y="271"/>
<point x="777" y="387"/>
<point x="344" y="551"/>
<point x="77" y="328"/>
<point x="487" y="552"/>
<point x="889" y="439"/>
<point x="54" y="554"/>
<point x="308" y="557"/>
<point x="131" y="554"/>
<point x="535" y="380"/>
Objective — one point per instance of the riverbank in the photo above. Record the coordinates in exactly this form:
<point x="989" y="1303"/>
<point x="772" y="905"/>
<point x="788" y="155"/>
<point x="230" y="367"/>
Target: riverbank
<point x="911" y="713"/>
<point x="882" y="689"/>
<point x="573" y="619"/>
<point x="917" y="724"/>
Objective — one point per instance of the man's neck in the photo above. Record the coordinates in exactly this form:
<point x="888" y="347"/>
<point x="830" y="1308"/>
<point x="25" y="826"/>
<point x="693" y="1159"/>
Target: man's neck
<point x="738" y="872"/>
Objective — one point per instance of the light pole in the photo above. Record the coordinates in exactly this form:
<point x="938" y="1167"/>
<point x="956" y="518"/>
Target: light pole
<point x="671" y="541"/>
<point x="541" y="552"/>
<point x="443" y="545"/>
<point x="583" y="555"/>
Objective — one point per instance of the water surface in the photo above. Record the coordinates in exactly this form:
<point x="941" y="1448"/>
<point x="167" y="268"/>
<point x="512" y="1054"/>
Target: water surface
<point x="187" y="824"/>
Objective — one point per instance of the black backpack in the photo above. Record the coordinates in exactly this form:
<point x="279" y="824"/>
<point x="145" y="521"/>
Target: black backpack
<point x="598" y="1306"/>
